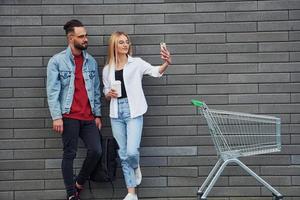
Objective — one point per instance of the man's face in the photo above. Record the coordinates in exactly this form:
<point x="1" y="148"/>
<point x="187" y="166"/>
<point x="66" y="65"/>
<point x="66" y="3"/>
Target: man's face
<point x="79" y="38"/>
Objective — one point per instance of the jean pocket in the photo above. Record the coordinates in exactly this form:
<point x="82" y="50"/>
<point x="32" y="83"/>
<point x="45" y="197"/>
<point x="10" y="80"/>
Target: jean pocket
<point x="125" y="110"/>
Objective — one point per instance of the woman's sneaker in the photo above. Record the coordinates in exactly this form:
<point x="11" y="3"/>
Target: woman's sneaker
<point x="130" y="196"/>
<point x="138" y="175"/>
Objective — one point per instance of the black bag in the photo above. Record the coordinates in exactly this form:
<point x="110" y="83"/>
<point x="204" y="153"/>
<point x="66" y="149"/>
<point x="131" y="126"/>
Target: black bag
<point x="106" y="168"/>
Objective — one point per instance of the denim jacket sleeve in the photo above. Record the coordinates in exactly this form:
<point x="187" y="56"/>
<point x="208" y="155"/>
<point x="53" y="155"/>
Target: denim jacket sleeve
<point x="97" y="93"/>
<point x="53" y="89"/>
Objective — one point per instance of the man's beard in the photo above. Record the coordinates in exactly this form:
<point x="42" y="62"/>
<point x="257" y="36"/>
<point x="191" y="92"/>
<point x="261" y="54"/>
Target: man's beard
<point x="80" y="47"/>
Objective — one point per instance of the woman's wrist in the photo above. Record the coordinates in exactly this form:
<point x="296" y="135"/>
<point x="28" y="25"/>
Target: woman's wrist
<point x="107" y="97"/>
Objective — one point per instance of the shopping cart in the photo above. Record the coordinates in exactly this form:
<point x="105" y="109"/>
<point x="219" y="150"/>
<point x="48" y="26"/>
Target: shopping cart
<point x="235" y="135"/>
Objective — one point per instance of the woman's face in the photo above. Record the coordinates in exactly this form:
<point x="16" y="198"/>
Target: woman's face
<point x="123" y="45"/>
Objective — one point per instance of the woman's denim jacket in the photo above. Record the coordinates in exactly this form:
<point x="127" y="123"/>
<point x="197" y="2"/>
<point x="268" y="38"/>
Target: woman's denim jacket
<point x="60" y="83"/>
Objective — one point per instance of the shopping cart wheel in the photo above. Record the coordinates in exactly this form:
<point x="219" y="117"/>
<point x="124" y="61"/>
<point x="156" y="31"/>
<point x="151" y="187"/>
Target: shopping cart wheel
<point x="277" y="197"/>
<point x="199" y="195"/>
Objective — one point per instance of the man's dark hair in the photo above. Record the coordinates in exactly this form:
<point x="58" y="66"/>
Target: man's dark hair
<point x="69" y="26"/>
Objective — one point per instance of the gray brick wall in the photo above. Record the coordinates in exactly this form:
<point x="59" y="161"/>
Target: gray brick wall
<point x="234" y="54"/>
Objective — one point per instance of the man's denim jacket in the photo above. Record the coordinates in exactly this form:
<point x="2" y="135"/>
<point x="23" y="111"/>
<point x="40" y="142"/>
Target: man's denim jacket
<point x="60" y="83"/>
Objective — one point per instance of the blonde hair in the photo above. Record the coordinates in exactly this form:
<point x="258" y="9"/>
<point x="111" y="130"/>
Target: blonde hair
<point x="112" y="55"/>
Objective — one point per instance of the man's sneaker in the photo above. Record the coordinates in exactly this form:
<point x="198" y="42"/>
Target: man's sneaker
<point x="130" y="196"/>
<point x="73" y="198"/>
<point x="138" y="175"/>
<point x="78" y="191"/>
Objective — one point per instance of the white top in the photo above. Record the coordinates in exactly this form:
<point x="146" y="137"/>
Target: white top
<point x="133" y="73"/>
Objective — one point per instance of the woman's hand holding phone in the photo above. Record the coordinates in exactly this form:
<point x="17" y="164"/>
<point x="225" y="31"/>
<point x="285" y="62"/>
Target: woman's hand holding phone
<point x="164" y="53"/>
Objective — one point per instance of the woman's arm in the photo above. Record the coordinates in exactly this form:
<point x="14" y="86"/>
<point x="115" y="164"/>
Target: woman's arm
<point x="166" y="56"/>
<point x="156" y="71"/>
<point x="108" y="92"/>
<point x="111" y="94"/>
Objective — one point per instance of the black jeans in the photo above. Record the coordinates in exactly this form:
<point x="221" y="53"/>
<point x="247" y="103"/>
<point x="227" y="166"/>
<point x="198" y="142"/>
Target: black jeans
<point x="89" y="133"/>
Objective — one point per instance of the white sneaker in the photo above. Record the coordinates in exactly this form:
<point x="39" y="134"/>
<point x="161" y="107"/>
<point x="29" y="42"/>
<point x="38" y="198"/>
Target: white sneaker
<point x="130" y="196"/>
<point x="138" y="175"/>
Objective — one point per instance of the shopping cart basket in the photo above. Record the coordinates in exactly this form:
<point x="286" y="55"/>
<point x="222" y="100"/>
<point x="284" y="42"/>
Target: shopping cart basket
<point x="235" y="135"/>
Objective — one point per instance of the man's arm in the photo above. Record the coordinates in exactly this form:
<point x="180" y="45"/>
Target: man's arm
<point x="53" y="91"/>
<point x="97" y="94"/>
<point x="97" y="98"/>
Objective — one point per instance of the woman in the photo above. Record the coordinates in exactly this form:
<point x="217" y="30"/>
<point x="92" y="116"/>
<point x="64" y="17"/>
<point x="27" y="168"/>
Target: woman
<point x="128" y="106"/>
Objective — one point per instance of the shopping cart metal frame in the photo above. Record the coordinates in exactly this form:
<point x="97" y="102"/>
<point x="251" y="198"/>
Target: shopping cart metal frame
<point x="229" y="152"/>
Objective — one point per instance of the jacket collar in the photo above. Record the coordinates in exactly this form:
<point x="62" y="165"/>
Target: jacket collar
<point x="70" y="55"/>
<point x="112" y="69"/>
<point x="130" y="59"/>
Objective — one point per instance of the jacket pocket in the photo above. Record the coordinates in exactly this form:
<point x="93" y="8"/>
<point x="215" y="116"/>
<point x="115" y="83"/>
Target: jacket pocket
<point x="65" y="76"/>
<point x="91" y="74"/>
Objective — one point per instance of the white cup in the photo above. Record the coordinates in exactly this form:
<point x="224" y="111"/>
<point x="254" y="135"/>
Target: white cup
<point x="116" y="85"/>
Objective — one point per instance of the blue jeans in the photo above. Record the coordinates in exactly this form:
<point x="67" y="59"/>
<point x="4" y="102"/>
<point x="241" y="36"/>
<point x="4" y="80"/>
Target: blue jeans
<point x="127" y="132"/>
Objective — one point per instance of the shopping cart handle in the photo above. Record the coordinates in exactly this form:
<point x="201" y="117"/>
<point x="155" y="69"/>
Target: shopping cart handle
<point x="197" y="103"/>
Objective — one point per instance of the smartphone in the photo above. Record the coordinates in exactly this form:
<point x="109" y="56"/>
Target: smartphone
<point x="163" y="45"/>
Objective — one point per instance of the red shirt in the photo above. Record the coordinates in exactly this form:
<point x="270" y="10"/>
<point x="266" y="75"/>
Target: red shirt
<point x="80" y="108"/>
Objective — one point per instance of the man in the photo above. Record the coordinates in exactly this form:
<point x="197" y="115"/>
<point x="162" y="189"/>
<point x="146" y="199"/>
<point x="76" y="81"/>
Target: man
<point x="73" y="91"/>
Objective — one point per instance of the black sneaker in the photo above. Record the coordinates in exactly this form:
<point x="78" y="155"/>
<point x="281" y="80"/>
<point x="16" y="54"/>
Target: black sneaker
<point x="74" y="197"/>
<point x="78" y="191"/>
